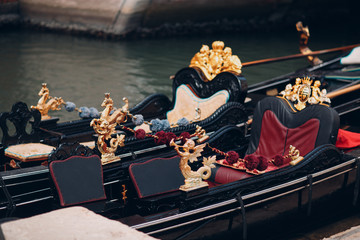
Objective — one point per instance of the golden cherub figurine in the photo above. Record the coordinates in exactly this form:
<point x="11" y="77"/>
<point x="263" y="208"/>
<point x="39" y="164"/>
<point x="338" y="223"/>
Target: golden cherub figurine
<point x="44" y="105"/>
<point x="193" y="180"/>
<point x="217" y="60"/>
<point x="317" y="95"/>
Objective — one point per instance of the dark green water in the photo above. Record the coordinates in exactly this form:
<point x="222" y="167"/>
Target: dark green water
<point x="82" y="69"/>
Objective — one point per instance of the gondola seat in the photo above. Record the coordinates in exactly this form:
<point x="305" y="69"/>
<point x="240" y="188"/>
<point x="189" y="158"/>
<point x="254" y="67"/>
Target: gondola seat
<point x="277" y="125"/>
<point x="21" y="135"/>
<point x="200" y="101"/>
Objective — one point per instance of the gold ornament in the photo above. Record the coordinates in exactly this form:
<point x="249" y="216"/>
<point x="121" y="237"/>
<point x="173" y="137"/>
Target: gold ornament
<point x="302" y="93"/>
<point x="46" y="102"/>
<point x="105" y="127"/>
<point x="294" y="154"/>
<point x="212" y="62"/>
<point x="193" y="180"/>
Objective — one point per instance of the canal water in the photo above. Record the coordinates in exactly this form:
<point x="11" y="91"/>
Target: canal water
<point x="81" y="69"/>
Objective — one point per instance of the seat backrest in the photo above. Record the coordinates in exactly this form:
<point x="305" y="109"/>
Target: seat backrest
<point x="277" y="125"/>
<point x="196" y="99"/>
<point x="25" y="125"/>
<point x="78" y="179"/>
<point x="156" y="176"/>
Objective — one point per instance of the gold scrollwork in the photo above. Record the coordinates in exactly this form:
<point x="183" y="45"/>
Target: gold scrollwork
<point x="216" y="60"/>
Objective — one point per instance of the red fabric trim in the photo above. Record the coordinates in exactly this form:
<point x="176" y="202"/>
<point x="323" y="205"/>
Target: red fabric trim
<point x="303" y="137"/>
<point x="134" y="180"/>
<point x="272" y="136"/>
<point x="62" y="203"/>
<point x="347" y="139"/>
<point x="227" y="175"/>
<point x="275" y="138"/>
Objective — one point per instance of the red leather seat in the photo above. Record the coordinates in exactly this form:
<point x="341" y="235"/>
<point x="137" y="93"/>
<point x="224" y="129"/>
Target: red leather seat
<point x="277" y="125"/>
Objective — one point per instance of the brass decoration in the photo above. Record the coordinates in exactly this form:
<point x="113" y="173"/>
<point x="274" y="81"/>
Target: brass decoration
<point x="124" y="197"/>
<point x="304" y="38"/>
<point x="294" y="154"/>
<point x="105" y="127"/>
<point x="212" y="62"/>
<point x="201" y="134"/>
<point x="302" y="93"/>
<point x="193" y="180"/>
<point x="46" y="102"/>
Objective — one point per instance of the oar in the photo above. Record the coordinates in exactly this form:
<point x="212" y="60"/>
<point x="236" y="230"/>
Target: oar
<point x="342" y="91"/>
<point x="299" y="55"/>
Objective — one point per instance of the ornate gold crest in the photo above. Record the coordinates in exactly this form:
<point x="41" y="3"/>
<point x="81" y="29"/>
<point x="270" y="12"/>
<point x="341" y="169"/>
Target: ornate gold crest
<point x="214" y="61"/>
<point x="302" y="93"/>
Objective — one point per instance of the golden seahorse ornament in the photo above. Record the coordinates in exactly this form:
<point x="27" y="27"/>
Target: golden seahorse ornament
<point x="47" y="103"/>
<point x="105" y="127"/>
<point x="193" y="179"/>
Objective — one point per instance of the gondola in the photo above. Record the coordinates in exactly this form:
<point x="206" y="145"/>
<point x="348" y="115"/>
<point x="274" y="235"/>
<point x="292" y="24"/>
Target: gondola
<point x="142" y="190"/>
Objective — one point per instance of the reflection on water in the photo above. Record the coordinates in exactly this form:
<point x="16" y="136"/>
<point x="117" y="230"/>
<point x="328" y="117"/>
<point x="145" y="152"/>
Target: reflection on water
<point x="81" y="70"/>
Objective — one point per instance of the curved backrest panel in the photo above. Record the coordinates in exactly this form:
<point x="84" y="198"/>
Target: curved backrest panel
<point x="276" y="126"/>
<point x="191" y="107"/>
<point x="235" y="85"/>
<point x="25" y="125"/>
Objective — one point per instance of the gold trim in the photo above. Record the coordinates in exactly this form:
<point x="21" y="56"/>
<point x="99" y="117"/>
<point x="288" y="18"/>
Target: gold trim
<point x="217" y="60"/>
<point x="287" y="103"/>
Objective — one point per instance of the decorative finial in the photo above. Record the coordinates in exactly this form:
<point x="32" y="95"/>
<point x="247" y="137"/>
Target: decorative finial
<point x="212" y="62"/>
<point x="105" y="127"/>
<point x="190" y="152"/>
<point x="47" y="103"/>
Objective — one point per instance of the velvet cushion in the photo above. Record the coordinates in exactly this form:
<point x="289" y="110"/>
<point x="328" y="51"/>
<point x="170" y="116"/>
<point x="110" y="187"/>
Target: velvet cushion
<point x="29" y="152"/>
<point x="275" y="138"/>
<point x="78" y="179"/>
